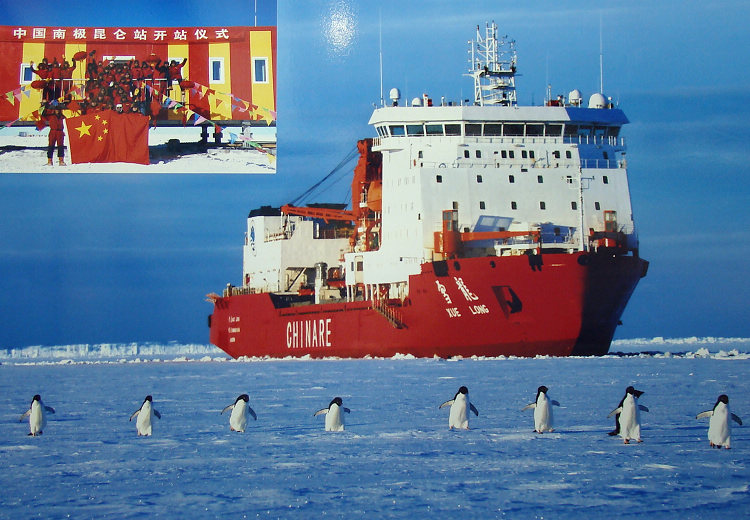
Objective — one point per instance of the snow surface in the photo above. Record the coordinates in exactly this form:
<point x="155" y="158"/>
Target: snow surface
<point x="213" y="161"/>
<point x="396" y="458"/>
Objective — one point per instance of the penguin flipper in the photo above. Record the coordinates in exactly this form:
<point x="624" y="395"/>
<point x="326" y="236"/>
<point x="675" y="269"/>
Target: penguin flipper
<point x="347" y="410"/>
<point x="255" y="417"/>
<point x="473" y="409"/>
<point x="737" y="419"/>
<point x="643" y="408"/>
<point x="25" y="415"/>
<point x="321" y="411"/>
<point x="528" y="406"/>
<point x="227" y="408"/>
<point x="135" y="414"/>
<point x="554" y="403"/>
<point x="157" y="414"/>
<point x="707" y="413"/>
<point x="615" y="411"/>
<point x="447" y="403"/>
<point x="49" y="409"/>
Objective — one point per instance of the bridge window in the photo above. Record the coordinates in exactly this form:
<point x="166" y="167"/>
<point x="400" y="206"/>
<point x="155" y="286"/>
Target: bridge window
<point x="453" y="129"/>
<point x="434" y="129"/>
<point x="414" y="130"/>
<point x="397" y="130"/>
<point x="473" y="129"/>
<point x="493" y="129"/>
<point x="554" y="130"/>
<point x="513" y="129"/>
<point x="534" y="129"/>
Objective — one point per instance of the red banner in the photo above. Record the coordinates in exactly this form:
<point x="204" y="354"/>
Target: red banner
<point x="108" y="136"/>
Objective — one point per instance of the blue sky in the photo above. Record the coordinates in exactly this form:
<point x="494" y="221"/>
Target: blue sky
<point x="113" y="258"/>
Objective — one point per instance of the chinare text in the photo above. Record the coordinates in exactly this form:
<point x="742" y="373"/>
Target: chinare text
<point x="308" y="333"/>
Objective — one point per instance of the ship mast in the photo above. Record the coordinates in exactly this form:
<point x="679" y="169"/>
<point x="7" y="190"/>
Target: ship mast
<point x="493" y="67"/>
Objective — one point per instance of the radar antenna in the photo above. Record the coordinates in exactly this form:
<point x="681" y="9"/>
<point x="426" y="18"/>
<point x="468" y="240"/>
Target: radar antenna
<point x="493" y="66"/>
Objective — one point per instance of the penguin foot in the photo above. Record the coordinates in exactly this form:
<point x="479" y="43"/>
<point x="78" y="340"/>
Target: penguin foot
<point x="627" y="441"/>
<point x="613" y="433"/>
<point x="640" y="440"/>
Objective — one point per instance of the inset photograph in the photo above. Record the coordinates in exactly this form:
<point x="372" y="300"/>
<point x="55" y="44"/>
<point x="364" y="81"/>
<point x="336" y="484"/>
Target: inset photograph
<point x="138" y="99"/>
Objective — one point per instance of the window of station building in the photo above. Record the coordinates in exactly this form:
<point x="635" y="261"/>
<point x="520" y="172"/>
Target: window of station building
<point x="481" y="204"/>
<point x="511" y="179"/>
<point x="478" y="153"/>
<point x="453" y="129"/>
<point x="534" y="129"/>
<point x="216" y="70"/>
<point x="466" y="154"/>
<point x="27" y="75"/>
<point x="414" y="130"/>
<point x="479" y="178"/>
<point x="553" y="130"/>
<point x="397" y="130"/>
<point x="513" y="204"/>
<point x="493" y="129"/>
<point x="438" y="178"/>
<point x="574" y="205"/>
<point x="260" y="70"/>
<point x="605" y="179"/>
<point x="568" y="155"/>
<point x="472" y="129"/>
<point x="597" y="206"/>
<point x="512" y="129"/>
<point x="434" y="129"/>
<point x="540" y="179"/>
<point x="542" y="205"/>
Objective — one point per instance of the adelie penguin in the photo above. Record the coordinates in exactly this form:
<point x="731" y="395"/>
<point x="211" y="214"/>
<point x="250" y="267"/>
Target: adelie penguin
<point x="334" y="418"/>
<point x="460" y="405"/>
<point x="720" y="424"/>
<point x="616" y="431"/>
<point x="145" y="415"/>
<point x="240" y="410"/>
<point x="37" y="414"/>
<point x="630" y="416"/>
<point x="542" y="406"/>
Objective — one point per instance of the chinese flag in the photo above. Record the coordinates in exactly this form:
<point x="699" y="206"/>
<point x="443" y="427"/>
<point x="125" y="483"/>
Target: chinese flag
<point x="108" y="136"/>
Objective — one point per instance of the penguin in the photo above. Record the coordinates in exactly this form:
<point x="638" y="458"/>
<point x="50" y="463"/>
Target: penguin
<point x="334" y="419"/>
<point x="720" y="426"/>
<point x="145" y="416"/>
<point x="630" y="417"/>
<point x="616" y="431"/>
<point x="542" y="410"/>
<point x="458" y="418"/>
<point x="37" y="416"/>
<point x="238" y="417"/>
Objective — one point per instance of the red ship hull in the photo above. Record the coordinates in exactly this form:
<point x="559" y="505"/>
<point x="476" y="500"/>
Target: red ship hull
<point x="554" y="304"/>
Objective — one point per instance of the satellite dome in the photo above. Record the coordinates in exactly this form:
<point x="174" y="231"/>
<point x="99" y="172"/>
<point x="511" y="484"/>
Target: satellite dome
<point x="575" y="97"/>
<point x="597" y="101"/>
<point x="416" y="102"/>
<point x="395" y="94"/>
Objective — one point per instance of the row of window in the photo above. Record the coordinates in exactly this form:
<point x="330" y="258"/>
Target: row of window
<point x="542" y="205"/>
<point x="511" y="154"/>
<point x="512" y="179"/>
<point x="497" y="130"/>
<point x="215" y="67"/>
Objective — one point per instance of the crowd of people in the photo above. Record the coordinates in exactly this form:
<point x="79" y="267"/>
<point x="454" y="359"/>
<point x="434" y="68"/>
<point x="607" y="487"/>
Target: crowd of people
<point x="110" y="85"/>
<point x="114" y="85"/>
